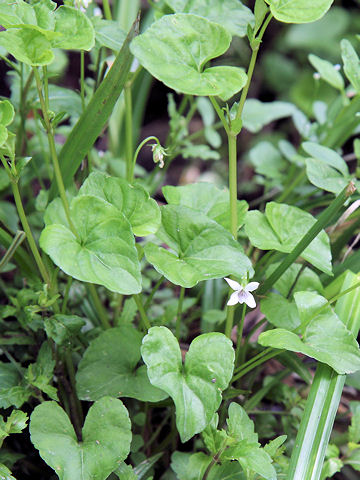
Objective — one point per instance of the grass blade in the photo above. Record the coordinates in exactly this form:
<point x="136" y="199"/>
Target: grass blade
<point x="21" y="257"/>
<point x="321" y="406"/>
<point x="92" y="121"/>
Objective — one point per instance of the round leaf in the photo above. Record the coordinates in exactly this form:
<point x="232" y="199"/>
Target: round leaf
<point x="133" y="201"/>
<point x="108" y="367"/>
<point x="299" y="11"/>
<point x="176" y="49"/>
<point x="203" y="249"/>
<point x="106" y="438"/>
<point x="105" y="253"/>
<point x="195" y="387"/>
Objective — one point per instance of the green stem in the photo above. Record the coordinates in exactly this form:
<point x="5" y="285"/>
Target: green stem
<point x="17" y="241"/>
<point x="255" y="51"/>
<point x="137" y="151"/>
<point x="179" y="312"/>
<point x="82" y="78"/>
<point x="144" y="318"/>
<point x="233" y="183"/>
<point x="66" y="295"/>
<point x="78" y="415"/>
<point x="99" y="306"/>
<point x="20" y="135"/>
<point x="29" y="235"/>
<point x="256" y="361"/>
<point x="323" y="220"/>
<point x="220" y="113"/>
<point x="128" y="134"/>
<point x="107" y="10"/>
<point x="154" y="290"/>
<point x="229" y="320"/>
<point x="240" y="334"/>
<point x="50" y="136"/>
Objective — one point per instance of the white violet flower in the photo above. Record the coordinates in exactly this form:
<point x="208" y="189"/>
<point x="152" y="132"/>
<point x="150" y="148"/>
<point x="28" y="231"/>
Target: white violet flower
<point x="242" y="293"/>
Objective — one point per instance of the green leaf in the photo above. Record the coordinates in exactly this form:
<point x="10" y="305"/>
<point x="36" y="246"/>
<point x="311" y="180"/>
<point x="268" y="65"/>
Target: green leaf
<point x="299" y="11"/>
<point x="231" y="14"/>
<point x="179" y="60"/>
<point x="203" y="249"/>
<point x="195" y="386"/>
<point x="16" y="422"/>
<point x="28" y="46"/>
<point x="351" y="64"/>
<point x="257" y="114"/>
<point x="109" y="367"/>
<point x="325" y="337"/>
<point x="280" y="312"/>
<point x="267" y="160"/>
<point x="132" y="200"/>
<point x="62" y="328"/>
<point x="354" y="460"/>
<point x="106" y="438"/>
<point x="281" y="227"/>
<point x="327" y="72"/>
<point x="247" y="451"/>
<point x="105" y="252"/>
<point x="108" y="33"/>
<point x="189" y="466"/>
<point x="7" y="113"/>
<point x="207" y="199"/>
<point x="327" y="155"/>
<point x="5" y="473"/>
<point x="325" y="177"/>
<point x="75" y="29"/>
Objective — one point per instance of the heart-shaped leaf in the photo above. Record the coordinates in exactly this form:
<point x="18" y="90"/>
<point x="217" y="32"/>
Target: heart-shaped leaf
<point x="36" y="29"/>
<point x="203" y="249"/>
<point x="105" y="251"/>
<point x="325" y="337"/>
<point x="208" y="199"/>
<point x="231" y="14"/>
<point x="299" y="11"/>
<point x="106" y="438"/>
<point x="195" y="386"/>
<point x="108" y="367"/>
<point x="281" y="228"/>
<point x="133" y="201"/>
<point x="176" y="49"/>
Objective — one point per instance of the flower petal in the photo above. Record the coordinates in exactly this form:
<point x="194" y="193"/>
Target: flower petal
<point x="250" y="287"/>
<point x="234" y="299"/>
<point x="234" y="285"/>
<point x="250" y="300"/>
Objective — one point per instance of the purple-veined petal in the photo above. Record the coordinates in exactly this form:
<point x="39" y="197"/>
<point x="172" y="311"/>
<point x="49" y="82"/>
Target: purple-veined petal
<point x="234" y="285"/>
<point x="234" y="299"/>
<point x="250" y="287"/>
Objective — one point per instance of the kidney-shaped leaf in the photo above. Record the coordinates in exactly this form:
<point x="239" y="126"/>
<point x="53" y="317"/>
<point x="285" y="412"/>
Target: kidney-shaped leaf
<point x="176" y="49"/>
<point x="203" y="249"/>
<point x="208" y="199"/>
<point x="106" y="438"/>
<point x="195" y="387"/>
<point x="133" y="201"/>
<point x="105" y="251"/>
<point x="231" y="14"/>
<point x="299" y="11"/>
<point x="108" y="367"/>
<point x="27" y="45"/>
<point x="74" y="28"/>
<point x="325" y="337"/>
<point x="282" y="227"/>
